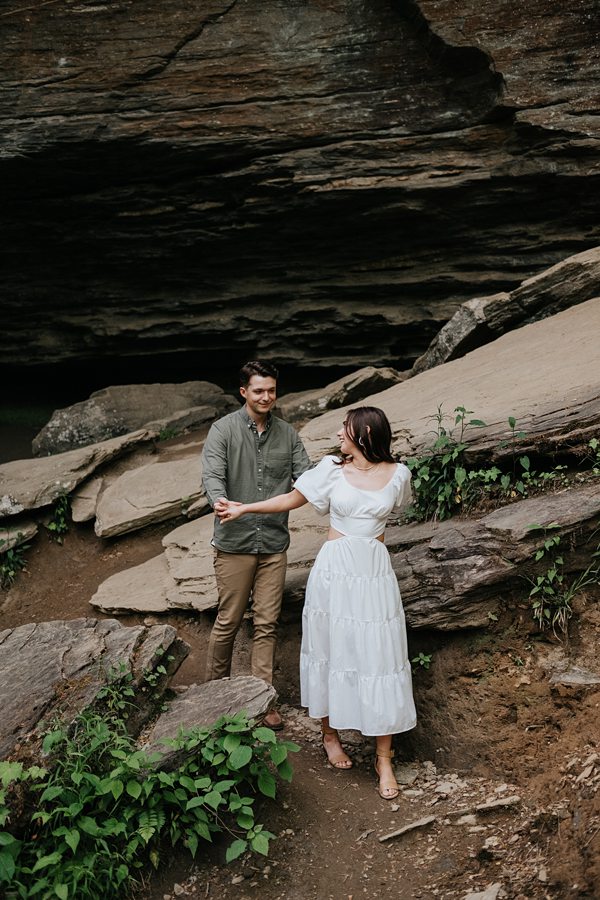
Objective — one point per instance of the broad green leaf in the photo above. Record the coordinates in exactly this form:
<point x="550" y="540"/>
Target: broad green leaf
<point x="51" y="793"/>
<point x="61" y="891"/>
<point x="240" y="757"/>
<point x="266" y="784"/>
<point x="264" y="735"/>
<point x="116" y="788"/>
<point x="285" y="770"/>
<point x="231" y="742"/>
<point x="6" y="839"/>
<point x="134" y="789"/>
<point x="278" y="754"/>
<point x="235" y="849"/>
<point x="214" y="799"/>
<point x="45" y="861"/>
<point x="7" y="866"/>
<point x="72" y="838"/>
<point x="260" y="843"/>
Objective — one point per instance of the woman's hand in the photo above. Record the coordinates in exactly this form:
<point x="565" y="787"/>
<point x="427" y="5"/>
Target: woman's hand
<point x="228" y="510"/>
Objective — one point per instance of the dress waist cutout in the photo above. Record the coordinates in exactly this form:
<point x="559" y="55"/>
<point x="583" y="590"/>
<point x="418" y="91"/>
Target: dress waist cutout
<point x="353" y="526"/>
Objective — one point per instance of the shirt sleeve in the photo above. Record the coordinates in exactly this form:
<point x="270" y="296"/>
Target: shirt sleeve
<point x="300" y="461"/>
<point x="317" y="483"/>
<point x="214" y="464"/>
<point x="404" y="495"/>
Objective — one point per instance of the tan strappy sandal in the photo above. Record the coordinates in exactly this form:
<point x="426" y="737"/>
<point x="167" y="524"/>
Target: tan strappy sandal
<point x="386" y="793"/>
<point x="340" y="761"/>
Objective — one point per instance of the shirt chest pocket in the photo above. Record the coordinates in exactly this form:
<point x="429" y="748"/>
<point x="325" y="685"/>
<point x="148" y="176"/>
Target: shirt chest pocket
<point x="278" y="465"/>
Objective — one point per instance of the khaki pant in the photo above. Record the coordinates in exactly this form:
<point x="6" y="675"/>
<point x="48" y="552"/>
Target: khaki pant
<point x="238" y="576"/>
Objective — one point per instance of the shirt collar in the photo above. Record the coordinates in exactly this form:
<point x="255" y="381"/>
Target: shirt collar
<point x="249" y="421"/>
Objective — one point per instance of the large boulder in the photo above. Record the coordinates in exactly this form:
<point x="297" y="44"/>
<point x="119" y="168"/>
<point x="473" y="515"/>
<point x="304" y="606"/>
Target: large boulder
<point x="127" y="407"/>
<point x="55" y="669"/>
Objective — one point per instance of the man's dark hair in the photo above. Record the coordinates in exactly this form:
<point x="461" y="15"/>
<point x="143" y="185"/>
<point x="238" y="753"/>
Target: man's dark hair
<point x="256" y="367"/>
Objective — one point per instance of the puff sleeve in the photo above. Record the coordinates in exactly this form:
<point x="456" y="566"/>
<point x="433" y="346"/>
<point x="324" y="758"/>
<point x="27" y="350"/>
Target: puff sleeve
<point x="403" y="489"/>
<point x="316" y="484"/>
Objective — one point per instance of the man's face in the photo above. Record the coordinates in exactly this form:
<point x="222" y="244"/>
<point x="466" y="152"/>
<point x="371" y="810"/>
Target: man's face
<point x="260" y="394"/>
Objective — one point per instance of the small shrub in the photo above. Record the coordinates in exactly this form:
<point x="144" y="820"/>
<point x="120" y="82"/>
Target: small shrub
<point x="440" y="476"/>
<point x="58" y="525"/>
<point x="166" y="433"/>
<point x="12" y="561"/>
<point x="551" y="594"/>
<point x="102" y="810"/>
<point x="423" y="660"/>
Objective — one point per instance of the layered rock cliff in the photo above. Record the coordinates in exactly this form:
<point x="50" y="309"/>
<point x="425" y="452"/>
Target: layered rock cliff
<point x="316" y="183"/>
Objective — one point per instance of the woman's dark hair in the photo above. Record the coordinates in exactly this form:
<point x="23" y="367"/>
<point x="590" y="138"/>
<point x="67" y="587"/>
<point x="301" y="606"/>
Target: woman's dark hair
<point x="256" y="367"/>
<point x="369" y="428"/>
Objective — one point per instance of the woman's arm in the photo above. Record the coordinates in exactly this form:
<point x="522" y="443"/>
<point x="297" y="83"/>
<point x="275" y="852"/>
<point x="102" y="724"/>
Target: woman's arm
<point x="228" y="510"/>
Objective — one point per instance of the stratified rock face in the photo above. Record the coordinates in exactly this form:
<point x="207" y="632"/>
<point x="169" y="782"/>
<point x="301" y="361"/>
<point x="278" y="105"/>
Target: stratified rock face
<point x="320" y="184"/>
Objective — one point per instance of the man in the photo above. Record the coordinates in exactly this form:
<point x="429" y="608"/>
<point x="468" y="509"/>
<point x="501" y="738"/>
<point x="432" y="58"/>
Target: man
<point x="250" y="455"/>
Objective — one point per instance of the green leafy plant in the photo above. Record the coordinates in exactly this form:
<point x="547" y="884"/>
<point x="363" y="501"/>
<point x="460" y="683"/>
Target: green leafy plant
<point x="440" y="475"/>
<point x="103" y="809"/>
<point x="58" y="525"/>
<point x="423" y="660"/>
<point x="12" y="561"/>
<point x="594" y="455"/>
<point x="166" y="433"/>
<point x="551" y="593"/>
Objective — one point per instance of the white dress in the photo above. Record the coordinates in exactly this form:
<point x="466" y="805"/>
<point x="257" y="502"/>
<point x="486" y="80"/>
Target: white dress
<point x="354" y="664"/>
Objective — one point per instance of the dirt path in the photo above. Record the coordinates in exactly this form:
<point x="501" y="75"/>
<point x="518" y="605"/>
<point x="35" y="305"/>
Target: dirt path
<point x="491" y="727"/>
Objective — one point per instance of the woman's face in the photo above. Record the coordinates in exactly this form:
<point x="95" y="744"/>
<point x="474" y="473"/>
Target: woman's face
<point x="347" y="445"/>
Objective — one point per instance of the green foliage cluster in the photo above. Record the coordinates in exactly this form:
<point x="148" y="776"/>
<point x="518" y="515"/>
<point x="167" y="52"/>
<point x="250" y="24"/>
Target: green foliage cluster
<point x="423" y="660"/>
<point x="552" y="593"/>
<point x="58" y="525"/>
<point x="102" y="809"/>
<point x="445" y="484"/>
<point x="12" y="561"/>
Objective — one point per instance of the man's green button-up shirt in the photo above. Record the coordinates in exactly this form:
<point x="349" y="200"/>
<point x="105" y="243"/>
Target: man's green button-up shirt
<point x="240" y="464"/>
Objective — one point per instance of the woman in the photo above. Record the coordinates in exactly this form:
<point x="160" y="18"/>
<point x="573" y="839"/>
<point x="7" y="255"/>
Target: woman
<point x="354" y="666"/>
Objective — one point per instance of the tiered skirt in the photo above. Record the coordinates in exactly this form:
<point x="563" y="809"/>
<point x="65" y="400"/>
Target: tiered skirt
<point x="354" y="664"/>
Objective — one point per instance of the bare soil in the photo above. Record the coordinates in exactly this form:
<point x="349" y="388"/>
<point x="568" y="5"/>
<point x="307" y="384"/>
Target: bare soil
<point x="491" y="727"/>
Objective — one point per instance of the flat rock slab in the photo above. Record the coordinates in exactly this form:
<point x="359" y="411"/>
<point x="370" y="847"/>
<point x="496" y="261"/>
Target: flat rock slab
<point x="203" y="704"/>
<point x="12" y="535"/>
<point x="546" y="375"/>
<point x="33" y="483"/>
<point x="151" y="493"/>
<point x="127" y="407"/>
<point x="49" y="668"/>
<point x="85" y="499"/>
<point x="183" y="576"/>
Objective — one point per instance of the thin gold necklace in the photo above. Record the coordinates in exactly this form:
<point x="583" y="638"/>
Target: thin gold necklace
<point x="365" y="468"/>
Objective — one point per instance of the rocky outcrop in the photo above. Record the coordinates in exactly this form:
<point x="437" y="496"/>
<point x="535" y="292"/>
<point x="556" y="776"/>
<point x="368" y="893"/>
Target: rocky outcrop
<point x="546" y="375"/>
<point x="29" y="484"/>
<point x="15" y="533"/>
<point x="483" y="319"/>
<point x="54" y="670"/>
<point x="350" y="389"/>
<point x="128" y="407"/>
<point x="346" y="175"/>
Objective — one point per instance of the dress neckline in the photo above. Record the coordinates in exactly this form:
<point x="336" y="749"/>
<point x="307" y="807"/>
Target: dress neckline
<point x="363" y="490"/>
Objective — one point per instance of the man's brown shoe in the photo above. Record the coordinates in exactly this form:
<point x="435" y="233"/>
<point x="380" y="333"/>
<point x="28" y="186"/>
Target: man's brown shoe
<point x="273" y="720"/>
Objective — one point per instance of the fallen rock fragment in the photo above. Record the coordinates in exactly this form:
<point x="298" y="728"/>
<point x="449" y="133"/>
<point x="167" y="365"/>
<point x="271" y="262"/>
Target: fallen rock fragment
<point x="13" y="535"/>
<point x="420" y="823"/>
<point x="492" y="892"/>
<point x="150" y="493"/>
<point x="203" y="704"/>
